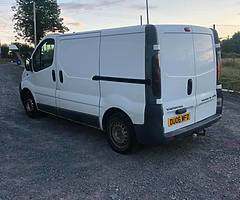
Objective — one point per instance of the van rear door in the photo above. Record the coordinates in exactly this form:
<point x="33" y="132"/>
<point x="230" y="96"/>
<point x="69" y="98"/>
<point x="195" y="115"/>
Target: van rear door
<point x="188" y="71"/>
<point x="206" y="73"/>
<point x="178" y="77"/>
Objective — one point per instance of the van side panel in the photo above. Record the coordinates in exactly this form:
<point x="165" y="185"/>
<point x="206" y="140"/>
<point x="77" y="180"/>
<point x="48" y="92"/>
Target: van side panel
<point x="123" y="57"/>
<point x="78" y="59"/>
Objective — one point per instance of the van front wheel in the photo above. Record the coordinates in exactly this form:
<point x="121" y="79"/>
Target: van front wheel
<point x="120" y="133"/>
<point x="30" y="107"/>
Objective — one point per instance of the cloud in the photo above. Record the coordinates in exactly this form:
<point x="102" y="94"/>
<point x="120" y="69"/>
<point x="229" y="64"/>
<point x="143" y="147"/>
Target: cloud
<point x="76" y="24"/>
<point x="70" y="6"/>
<point x="6" y="27"/>
<point x="89" y="6"/>
<point x="143" y="7"/>
<point x="73" y="24"/>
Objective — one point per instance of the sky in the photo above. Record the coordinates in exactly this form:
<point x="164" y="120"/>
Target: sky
<point x="85" y="15"/>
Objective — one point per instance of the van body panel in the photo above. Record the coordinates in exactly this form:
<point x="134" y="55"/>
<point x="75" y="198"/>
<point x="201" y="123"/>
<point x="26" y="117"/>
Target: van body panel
<point x="205" y="64"/>
<point x="132" y="106"/>
<point x="201" y="30"/>
<point x="78" y="59"/>
<point x="123" y="31"/>
<point x="172" y="28"/>
<point x="123" y="56"/>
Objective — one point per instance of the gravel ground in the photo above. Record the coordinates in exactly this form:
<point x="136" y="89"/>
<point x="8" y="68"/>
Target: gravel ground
<point x="50" y="158"/>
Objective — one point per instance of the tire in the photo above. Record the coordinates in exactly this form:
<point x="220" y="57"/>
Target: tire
<point x="30" y="107"/>
<point x="120" y="133"/>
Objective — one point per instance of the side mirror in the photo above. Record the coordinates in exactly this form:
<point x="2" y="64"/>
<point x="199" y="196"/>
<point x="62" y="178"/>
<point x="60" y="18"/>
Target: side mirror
<point x="28" y="64"/>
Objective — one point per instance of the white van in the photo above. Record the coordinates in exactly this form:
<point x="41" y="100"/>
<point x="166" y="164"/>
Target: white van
<point x="144" y="83"/>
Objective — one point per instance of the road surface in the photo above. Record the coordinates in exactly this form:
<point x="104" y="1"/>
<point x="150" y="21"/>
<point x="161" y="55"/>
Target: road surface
<point x="51" y="158"/>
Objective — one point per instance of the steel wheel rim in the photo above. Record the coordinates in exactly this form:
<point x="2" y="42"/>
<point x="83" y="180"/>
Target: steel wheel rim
<point x="119" y="134"/>
<point x="29" y="105"/>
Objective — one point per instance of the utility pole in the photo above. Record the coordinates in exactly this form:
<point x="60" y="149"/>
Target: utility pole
<point x="147" y="8"/>
<point x="35" y="23"/>
<point x="141" y="20"/>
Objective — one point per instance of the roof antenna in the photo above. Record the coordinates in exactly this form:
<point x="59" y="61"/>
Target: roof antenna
<point x="147" y="8"/>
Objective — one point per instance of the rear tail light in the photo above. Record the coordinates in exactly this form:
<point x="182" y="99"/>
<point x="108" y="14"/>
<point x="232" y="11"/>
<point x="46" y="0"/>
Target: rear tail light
<point x="218" y="49"/>
<point x="156" y="76"/>
<point x="219" y="102"/>
<point x="219" y="69"/>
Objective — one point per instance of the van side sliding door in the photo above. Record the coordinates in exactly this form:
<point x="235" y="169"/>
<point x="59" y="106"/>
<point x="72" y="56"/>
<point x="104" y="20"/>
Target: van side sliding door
<point x="78" y="95"/>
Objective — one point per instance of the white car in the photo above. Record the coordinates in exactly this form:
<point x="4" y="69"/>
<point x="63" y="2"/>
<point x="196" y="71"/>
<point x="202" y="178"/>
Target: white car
<point x="143" y="83"/>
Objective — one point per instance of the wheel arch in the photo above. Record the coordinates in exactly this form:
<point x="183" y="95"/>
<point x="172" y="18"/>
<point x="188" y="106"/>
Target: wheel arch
<point x="25" y="92"/>
<point x="109" y="112"/>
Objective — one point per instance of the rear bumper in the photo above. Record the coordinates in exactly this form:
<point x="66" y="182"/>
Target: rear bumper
<point x="153" y="135"/>
<point x="152" y="131"/>
<point x="194" y="128"/>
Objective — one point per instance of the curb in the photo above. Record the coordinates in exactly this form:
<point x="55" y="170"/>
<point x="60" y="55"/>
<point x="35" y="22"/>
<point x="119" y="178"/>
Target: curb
<point x="230" y="91"/>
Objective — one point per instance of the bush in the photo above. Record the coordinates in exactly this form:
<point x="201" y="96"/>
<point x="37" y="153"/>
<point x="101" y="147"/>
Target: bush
<point x="4" y="51"/>
<point x="231" y="45"/>
<point x="230" y="55"/>
<point x="25" y="50"/>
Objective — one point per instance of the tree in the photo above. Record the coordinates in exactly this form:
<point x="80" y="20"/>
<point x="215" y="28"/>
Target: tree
<point x="24" y="50"/>
<point x="47" y="15"/>
<point x="232" y="45"/>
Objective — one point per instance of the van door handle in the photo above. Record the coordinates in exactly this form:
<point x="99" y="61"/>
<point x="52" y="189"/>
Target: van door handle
<point x="53" y="76"/>
<point x="189" y="86"/>
<point x="61" y="76"/>
<point x="181" y="111"/>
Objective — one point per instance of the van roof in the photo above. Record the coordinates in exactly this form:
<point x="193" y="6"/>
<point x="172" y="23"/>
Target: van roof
<point x="180" y="28"/>
<point x="140" y="29"/>
<point x="113" y="31"/>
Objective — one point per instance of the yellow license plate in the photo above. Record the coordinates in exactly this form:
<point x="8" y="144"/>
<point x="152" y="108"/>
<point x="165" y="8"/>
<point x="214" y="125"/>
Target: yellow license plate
<point x="172" y="121"/>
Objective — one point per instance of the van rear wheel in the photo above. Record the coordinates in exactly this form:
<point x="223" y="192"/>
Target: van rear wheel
<point x="120" y="133"/>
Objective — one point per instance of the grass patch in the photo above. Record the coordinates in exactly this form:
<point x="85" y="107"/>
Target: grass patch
<point x="231" y="73"/>
<point x="4" y="60"/>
